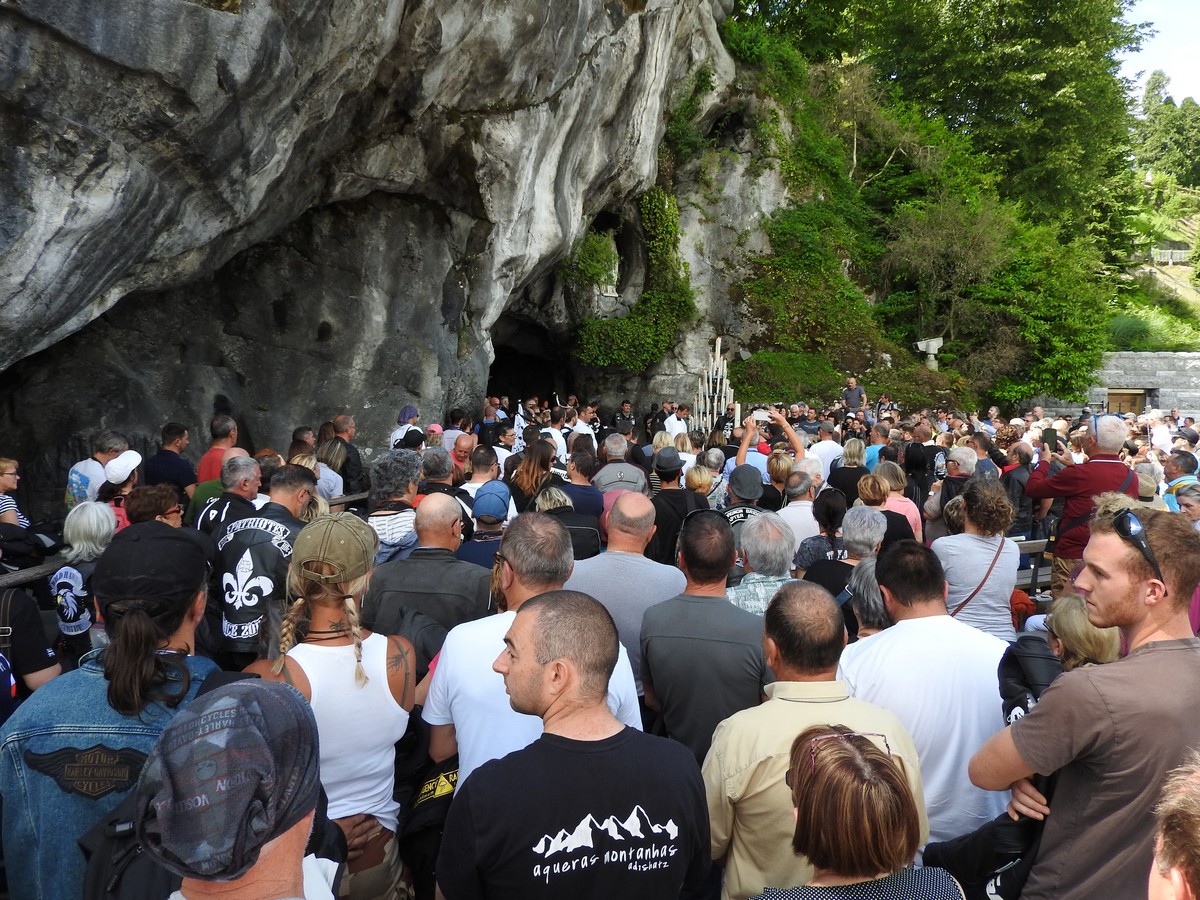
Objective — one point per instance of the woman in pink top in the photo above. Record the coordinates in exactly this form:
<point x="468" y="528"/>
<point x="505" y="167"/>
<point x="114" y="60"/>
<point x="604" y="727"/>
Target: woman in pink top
<point x="896" y="501"/>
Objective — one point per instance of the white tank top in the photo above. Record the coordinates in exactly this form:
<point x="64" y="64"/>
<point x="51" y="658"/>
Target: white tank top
<point x="358" y="727"/>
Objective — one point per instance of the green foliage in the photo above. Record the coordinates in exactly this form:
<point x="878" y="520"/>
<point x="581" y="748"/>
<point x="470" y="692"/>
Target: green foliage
<point x="771" y="376"/>
<point x="1151" y="317"/>
<point x="800" y="291"/>
<point x="1126" y="332"/>
<point x="943" y="246"/>
<point x="683" y="136"/>
<point x="1034" y="86"/>
<point x="592" y="261"/>
<point x="976" y="179"/>
<point x="645" y="335"/>
<point x="1059" y="312"/>
<point x="639" y="339"/>
<point x="817" y="27"/>
<point x="660" y="225"/>
<point x="1168" y="136"/>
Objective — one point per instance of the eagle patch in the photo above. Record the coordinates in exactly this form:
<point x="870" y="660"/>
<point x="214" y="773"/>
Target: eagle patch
<point x="93" y="772"/>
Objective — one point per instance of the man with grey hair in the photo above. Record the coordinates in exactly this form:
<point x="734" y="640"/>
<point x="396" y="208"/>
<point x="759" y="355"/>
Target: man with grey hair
<point x="625" y="580"/>
<point x="439" y="479"/>
<point x="431" y="580"/>
<point x="240" y="481"/>
<point x="632" y="822"/>
<point x="617" y="474"/>
<point x="714" y="461"/>
<point x="395" y="480"/>
<point x="1079" y="485"/>
<point x="960" y="466"/>
<point x="863" y="529"/>
<point x="768" y="546"/>
<point x="467" y="706"/>
<point x="353" y="476"/>
<point x="86" y="476"/>
<point x="799" y="491"/>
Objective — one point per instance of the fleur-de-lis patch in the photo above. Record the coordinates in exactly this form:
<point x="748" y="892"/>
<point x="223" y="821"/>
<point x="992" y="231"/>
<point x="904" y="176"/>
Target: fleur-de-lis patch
<point x="240" y="588"/>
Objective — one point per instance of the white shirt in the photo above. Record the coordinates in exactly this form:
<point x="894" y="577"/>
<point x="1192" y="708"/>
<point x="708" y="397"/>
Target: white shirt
<point x="84" y="480"/>
<point x="560" y="442"/>
<point x="674" y="425"/>
<point x="399" y="432"/>
<point x="939" y="677"/>
<point x="1160" y="437"/>
<point x="467" y="694"/>
<point x="472" y="488"/>
<point x="826" y="452"/>
<point x="799" y="517"/>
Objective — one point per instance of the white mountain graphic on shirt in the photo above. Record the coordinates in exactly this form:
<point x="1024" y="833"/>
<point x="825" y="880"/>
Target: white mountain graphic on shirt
<point x="636" y="825"/>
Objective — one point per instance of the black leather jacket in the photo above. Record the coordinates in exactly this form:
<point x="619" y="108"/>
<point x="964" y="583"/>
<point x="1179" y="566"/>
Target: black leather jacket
<point x="250" y="577"/>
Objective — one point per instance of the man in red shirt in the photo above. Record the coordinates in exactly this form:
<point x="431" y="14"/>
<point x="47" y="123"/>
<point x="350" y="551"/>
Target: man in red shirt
<point x="1079" y="484"/>
<point x="224" y="433"/>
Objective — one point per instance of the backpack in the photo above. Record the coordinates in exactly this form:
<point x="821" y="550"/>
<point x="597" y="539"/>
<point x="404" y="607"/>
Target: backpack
<point x="489" y="433"/>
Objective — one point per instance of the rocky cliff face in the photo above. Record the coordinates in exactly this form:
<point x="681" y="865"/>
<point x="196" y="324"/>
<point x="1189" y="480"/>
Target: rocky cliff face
<point x="303" y="208"/>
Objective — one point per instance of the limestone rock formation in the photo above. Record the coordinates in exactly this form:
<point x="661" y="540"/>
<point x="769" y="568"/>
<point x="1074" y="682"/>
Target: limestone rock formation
<point x="300" y="207"/>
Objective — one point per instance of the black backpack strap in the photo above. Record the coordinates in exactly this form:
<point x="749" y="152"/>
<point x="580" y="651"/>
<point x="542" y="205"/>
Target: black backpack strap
<point x="1128" y="481"/>
<point x="5" y="621"/>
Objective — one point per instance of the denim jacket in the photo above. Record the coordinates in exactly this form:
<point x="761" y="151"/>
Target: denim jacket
<point x="66" y="759"/>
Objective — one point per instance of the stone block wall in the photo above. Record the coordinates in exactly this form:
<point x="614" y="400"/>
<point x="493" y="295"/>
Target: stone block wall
<point x="1170" y="381"/>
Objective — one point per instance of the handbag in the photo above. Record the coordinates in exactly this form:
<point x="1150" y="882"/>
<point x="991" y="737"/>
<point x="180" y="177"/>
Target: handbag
<point x="983" y="581"/>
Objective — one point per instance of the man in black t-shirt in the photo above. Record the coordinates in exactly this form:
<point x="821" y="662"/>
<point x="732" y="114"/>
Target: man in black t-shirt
<point x="590" y="809"/>
<point x="168" y="466"/>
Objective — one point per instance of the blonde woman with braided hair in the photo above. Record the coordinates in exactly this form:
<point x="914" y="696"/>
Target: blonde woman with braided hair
<point x="360" y="686"/>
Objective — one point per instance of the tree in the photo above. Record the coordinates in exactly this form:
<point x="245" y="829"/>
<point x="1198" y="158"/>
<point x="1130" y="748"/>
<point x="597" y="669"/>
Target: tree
<point x="1168" y="136"/>
<point x="1034" y="84"/>
<point x="942" y="248"/>
<point x="817" y="28"/>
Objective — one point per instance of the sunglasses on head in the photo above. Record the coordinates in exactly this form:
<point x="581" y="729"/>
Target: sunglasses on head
<point x="839" y="736"/>
<point x="1129" y="527"/>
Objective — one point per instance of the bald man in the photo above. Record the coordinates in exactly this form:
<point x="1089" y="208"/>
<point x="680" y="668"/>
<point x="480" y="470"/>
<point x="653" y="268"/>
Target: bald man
<point x="431" y="580"/>
<point x="624" y="580"/>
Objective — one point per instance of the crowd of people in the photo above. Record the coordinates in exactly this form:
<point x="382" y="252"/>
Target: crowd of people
<point x="538" y="650"/>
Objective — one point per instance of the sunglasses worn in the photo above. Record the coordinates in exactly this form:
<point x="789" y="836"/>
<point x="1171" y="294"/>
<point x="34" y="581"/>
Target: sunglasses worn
<point x="1130" y="528"/>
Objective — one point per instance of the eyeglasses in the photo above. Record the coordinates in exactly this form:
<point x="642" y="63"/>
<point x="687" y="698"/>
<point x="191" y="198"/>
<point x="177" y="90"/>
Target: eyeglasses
<point x="498" y="558"/>
<point x="839" y="736"/>
<point x="1130" y="528"/>
<point x="1048" y="623"/>
<point x="174" y="510"/>
<point x="16" y="472"/>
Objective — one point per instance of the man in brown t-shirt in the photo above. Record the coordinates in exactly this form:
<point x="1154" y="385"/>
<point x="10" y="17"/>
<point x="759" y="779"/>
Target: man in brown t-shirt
<point x="1112" y="732"/>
